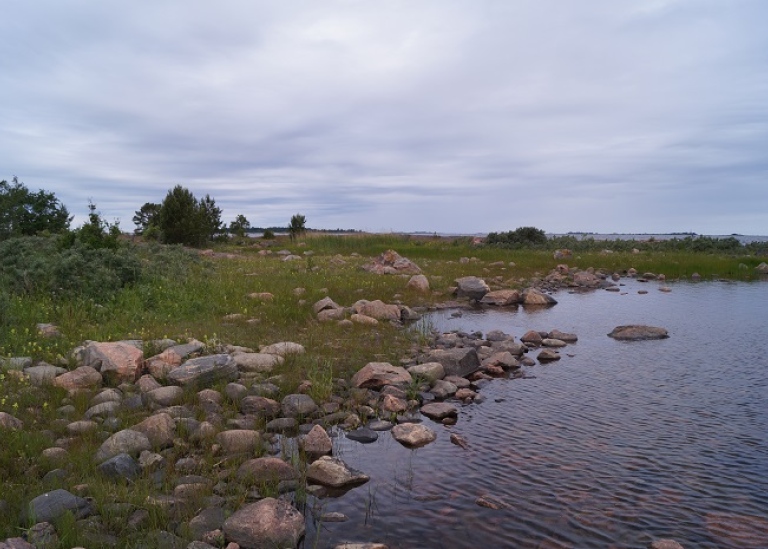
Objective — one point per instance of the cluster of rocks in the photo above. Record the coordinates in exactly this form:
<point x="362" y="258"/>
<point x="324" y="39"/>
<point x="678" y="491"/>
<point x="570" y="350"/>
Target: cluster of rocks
<point x="364" y="312"/>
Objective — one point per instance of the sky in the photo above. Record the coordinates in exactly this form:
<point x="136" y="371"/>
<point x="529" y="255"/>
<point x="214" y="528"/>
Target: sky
<point x="449" y="116"/>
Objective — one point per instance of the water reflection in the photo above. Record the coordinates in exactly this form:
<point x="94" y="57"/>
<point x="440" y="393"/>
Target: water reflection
<point x="614" y="446"/>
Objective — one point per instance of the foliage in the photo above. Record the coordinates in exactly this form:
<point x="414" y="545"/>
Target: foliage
<point x="97" y="233"/>
<point x="297" y="227"/>
<point x="145" y="218"/>
<point x="24" y="213"/>
<point x="239" y="226"/>
<point x="522" y="237"/>
<point x="183" y="219"/>
<point x="268" y="234"/>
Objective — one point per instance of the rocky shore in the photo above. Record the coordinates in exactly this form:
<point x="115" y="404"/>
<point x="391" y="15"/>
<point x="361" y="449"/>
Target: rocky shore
<point x="231" y="459"/>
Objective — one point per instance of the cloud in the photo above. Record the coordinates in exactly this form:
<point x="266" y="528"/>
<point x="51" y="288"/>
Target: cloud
<point x="449" y="116"/>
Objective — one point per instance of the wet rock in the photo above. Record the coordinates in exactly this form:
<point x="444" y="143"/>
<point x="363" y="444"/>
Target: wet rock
<point x="665" y="544"/>
<point x="535" y="297"/>
<point x="393" y="405"/>
<point x="443" y="389"/>
<point x="491" y="502"/>
<point x="456" y="362"/>
<point x="743" y="531"/>
<point x="413" y="435"/>
<point x="317" y="442"/>
<point x="333" y="472"/>
<point x="459" y="441"/>
<point x="379" y="425"/>
<point x="637" y="332"/>
<point x="204" y="371"/>
<point x="548" y="355"/>
<point x="439" y="410"/>
<point x="563" y="336"/>
<point x="126" y="441"/>
<point x="472" y="287"/>
<point x="51" y="506"/>
<point x="364" y="435"/>
<point x="501" y="298"/>
<point x="375" y="375"/>
<point x="550" y="342"/>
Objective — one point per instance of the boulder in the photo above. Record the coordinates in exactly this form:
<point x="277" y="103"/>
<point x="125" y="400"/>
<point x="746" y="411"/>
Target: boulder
<point x="333" y="472"/>
<point x="266" y="470"/>
<point x="534" y="297"/>
<point x="170" y="395"/>
<point x="51" y="506"/>
<point x="283" y="348"/>
<point x="378" y="309"/>
<point x="471" y="287"/>
<point x="260" y="406"/>
<point x="762" y="268"/>
<point x="460" y="361"/>
<point x="413" y="435"/>
<point x="266" y="524"/>
<point x="418" y="283"/>
<point x="429" y="371"/>
<point x="9" y="422"/>
<point x="160" y="429"/>
<point x="257" y="362"/>
<point x="548" y="355"/>
<point x="326" y="304"/>
<point x="364" y="320"/>
<point x="120" y="467"/>
<point x="79" y="379"/>
<point x="43" y="374"/>
<point x="439" y="410"/>
<point x="638" y="332"/>
<point x="390" y="262"/>
<point x="563" y="336"/>
<point x="375" y="375"/>
<point x="204" y="371"/>
<point x="126" y="441"/>
<point x="317" y="442"/>
<point x="239" y="441"/>
<point x="501" y="298"/>
<point x="118" y="362"/>
<point x="298" y="405"/>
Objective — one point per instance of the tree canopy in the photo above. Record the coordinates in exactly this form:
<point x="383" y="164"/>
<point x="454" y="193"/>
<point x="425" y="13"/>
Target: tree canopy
<point x="298" y="226"/>
<point x="24" y="213"/>
<point x="183" y="219"/>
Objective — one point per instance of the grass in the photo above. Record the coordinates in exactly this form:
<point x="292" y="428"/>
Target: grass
<point x="181" y="296"/>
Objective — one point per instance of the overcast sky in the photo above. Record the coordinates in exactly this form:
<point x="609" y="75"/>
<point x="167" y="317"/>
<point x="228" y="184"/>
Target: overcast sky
<point x="406" y="115"/>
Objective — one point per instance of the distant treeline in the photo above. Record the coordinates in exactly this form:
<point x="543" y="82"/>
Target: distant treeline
<point x="533" y="238"/>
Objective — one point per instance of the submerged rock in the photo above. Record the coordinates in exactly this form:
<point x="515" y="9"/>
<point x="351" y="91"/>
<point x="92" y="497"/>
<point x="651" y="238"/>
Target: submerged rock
<point x="637" y="332"/>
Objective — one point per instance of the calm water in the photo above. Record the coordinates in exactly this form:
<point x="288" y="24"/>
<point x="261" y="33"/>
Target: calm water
<point x="615" y="446"/>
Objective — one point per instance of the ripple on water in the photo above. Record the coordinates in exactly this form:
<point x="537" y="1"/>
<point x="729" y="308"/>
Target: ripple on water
<point x="615" y="446"/>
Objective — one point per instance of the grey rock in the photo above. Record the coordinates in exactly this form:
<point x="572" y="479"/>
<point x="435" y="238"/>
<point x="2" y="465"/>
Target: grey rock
<point x="298" y="405"/>
<point x="364" y="435"/>
<point x="460" y="361"/>
<point x="237" y="441"/>
<point x="43" y="374"/>
<point x="51" y="506"/>
<point x="125" y="441"/>
<point x="316" y="442"/>
<point x="439" y="410"/>
<point x="471" y="287"/>
<point x="120" y="467"/>
<point x="534" y="297"/>
<point x="204" y="371"/>
<point x="266" y="470"/>
<point x="430" y="371"/>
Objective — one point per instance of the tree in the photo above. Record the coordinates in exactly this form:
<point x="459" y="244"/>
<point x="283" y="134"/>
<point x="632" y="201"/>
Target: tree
<point x="182" y="219"/>
<point x="239" y="226"/>
<point x="23" y="212"/>
<point x="98" y="233"/>
<point x="297" y="227"/>
<point x="145" y="218"/>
